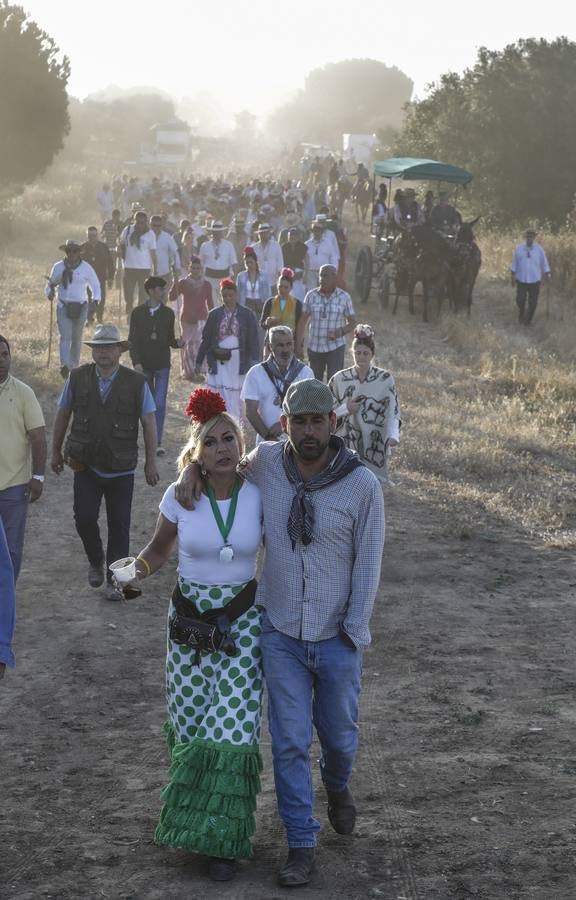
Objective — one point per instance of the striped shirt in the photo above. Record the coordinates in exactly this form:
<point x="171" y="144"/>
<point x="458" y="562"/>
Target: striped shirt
<point x="310" y="591"/>
<point x="327" y="314"/>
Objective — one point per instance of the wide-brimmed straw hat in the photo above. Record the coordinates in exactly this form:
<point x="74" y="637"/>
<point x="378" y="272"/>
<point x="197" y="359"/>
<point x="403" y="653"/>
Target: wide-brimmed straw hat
<point x="70" y="247"/>
<point x="216" y="226"/>
<point x="106" y="335"/>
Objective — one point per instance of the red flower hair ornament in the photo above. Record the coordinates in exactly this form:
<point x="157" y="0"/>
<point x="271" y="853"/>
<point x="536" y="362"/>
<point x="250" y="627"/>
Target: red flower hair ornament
<point x="204" y="404"/>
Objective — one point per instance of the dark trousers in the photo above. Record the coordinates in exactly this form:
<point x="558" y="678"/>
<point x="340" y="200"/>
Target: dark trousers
<point x="134" y="278"/>
<point x="332" y="361"/>
<point x="89" y="488"/>
<point x="527" y="300"/>
<point x="96" y="310"/>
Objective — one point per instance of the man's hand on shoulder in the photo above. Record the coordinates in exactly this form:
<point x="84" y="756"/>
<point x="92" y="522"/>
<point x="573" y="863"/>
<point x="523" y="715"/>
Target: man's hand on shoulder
<point x="188" y="490"/>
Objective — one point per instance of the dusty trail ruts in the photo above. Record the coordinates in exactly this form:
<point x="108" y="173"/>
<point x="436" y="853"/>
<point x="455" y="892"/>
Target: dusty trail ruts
<point x="465" y="779"/>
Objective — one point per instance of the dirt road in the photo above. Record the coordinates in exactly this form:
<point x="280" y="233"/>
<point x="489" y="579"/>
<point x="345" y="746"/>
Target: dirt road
<point x="465" y="780"/>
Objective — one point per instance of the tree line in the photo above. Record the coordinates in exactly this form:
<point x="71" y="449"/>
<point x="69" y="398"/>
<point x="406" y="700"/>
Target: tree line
<point x="509" y="119"/>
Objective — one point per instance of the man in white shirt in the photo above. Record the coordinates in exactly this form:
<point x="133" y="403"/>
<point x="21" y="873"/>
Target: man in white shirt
<point x="74" y="282"/>
<point x="268" y="253"/>
<point x="267" y="382"/>
<point x="322" y="251"/>
<point x="218" y="257"/>
<point x="105" y="200"/>
<point x="167" y="256"/>
<point x="137" y="246"/>
<point x="529" y="267"/>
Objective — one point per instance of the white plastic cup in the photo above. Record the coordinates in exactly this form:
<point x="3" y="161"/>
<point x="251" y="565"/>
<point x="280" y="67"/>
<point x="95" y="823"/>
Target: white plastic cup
<point x="124" y="570"/>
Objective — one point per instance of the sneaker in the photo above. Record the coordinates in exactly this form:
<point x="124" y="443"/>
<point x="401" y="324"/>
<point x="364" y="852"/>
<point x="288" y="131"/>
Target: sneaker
<point x="64" y="372"/>
<point x="96" y="575"/>
<point x="220" y="869"/>
<point x="160" y="451"/>
<point x="297" y="870"/>
<point x="112" y="593"/>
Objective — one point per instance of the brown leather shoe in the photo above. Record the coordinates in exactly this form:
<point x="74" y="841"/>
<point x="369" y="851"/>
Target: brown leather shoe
<point x="297" y="870"/>
<point x="341" y="811"/>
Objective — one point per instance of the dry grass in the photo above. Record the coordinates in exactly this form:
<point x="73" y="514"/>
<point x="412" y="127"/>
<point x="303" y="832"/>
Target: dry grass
<point x="488" y="408"/>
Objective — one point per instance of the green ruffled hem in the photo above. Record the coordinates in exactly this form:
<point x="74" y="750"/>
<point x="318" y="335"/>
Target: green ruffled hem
<point x="210" y="801"/>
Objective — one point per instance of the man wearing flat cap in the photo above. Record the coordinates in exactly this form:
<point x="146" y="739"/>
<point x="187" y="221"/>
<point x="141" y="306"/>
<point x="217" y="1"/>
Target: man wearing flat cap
<point x="74" y="283"/>
<point x="151" y="337"/>
<point x="106" y="402"/>
<point x="324" y="523"/>
<point x="529" y="267"/>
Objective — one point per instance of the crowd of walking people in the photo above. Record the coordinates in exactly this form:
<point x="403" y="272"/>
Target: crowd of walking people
<point x="310" y="492"/>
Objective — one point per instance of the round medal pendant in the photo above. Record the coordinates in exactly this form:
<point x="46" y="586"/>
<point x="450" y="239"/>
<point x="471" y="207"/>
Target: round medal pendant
<point x="226" y="554"/>
<point x="153" y="336"/>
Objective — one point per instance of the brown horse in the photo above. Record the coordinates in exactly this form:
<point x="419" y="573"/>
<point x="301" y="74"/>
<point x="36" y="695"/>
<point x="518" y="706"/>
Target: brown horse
<point x="464" y="267"/>
<point x="422" y="256"/>
<point x="362" y="196"/>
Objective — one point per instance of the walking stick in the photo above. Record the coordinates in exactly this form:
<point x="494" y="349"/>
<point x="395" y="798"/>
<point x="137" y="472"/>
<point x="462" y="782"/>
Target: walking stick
<point x="47" y="277"/>
<point x="547" y="299"/>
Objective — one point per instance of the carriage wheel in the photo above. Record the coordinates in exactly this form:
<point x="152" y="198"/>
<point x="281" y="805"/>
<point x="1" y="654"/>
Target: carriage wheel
<point x="363" y="274"/>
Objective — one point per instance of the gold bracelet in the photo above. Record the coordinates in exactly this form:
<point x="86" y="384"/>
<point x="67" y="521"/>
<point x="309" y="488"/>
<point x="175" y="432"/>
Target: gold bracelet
<point x="146" y="564"/>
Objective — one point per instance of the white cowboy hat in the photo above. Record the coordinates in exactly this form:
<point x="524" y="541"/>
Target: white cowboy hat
<point x="105" y="335"/>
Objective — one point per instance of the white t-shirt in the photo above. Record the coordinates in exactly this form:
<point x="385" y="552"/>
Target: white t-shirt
<point x="257" y="386"/>
<point x="200" y="541"/>
<point x="138" y="257"/>
<point x="219" y="255"/>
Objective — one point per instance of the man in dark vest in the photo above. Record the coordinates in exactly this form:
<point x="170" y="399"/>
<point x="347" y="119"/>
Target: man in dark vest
<point x="150" y="338"/>
<point x="98" y="255"/>
<point x="106" y="402"/>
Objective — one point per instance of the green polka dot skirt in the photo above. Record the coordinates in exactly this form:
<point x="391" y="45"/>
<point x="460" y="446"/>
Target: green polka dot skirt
<point x="213" y="732"/>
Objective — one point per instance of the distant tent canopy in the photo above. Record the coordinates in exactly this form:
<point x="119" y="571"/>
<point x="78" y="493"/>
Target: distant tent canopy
<point x="409" y="169"/>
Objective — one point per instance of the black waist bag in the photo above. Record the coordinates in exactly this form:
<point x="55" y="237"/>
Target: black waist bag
<point x="208" y="632"/>
<point x="73" y="310"/>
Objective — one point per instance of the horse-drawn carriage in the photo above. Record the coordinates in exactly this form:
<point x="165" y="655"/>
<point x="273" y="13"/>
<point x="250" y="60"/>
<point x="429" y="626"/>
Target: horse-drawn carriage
<point x="402" y="257"/>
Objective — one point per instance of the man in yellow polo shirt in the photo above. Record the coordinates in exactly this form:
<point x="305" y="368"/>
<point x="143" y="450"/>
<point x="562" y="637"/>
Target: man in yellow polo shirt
<point x="22" y="462"/>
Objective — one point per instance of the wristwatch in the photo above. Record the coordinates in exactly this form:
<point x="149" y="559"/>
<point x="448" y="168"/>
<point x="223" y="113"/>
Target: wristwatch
<point x="39" y="478"/>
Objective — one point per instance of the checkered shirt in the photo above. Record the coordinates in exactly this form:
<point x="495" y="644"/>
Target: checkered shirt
<point x="327" y="313"/>
<point x="310" y="590"/>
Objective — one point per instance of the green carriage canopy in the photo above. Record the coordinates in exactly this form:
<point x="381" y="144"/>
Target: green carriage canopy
<point x="409" y="169"/>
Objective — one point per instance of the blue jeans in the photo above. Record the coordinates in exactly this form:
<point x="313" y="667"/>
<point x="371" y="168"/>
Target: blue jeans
<point x="158" y="384"/>
<point x="70" y="335"/>
<point x="309" y="684"/>
<point x="13" y="512"/>
<point x="89" y="488"/>
<point x="7" y="601"/>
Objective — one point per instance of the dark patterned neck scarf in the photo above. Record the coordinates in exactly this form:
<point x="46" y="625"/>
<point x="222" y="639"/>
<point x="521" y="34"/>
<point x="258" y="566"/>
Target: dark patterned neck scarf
<point x="135" y="236"/>
<point x="68" y="272"/>
<point x="282" y="381"/>
<point x="301" y="518"/>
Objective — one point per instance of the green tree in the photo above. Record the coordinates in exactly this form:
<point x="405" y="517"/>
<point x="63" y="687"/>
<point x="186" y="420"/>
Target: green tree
<point x="33" y="99"/>
<point x="357" y="96"/>
<point x="510" y="121"/>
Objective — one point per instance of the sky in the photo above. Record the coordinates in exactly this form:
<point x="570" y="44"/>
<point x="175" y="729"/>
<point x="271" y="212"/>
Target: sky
<point x="256" y="55"/>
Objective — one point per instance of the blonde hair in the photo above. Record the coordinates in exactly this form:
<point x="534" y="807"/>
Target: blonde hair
<point x="198" y="433"/>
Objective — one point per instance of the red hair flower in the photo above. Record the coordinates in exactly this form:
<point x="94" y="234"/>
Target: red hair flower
<point x="227" y="284"/>
<point x="204" y="404"/>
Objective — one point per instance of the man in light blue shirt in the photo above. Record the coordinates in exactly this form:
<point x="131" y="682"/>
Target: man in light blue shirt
<point x="167" y="255"/>
<point x="529" y="267"/>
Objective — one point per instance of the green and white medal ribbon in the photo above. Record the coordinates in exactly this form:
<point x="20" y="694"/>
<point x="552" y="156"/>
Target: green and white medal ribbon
<point x="226" y="554"/>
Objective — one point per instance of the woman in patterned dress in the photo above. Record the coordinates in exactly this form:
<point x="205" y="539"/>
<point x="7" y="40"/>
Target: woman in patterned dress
<point x="214" y="700"/>
<point x="366" y="405"/>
